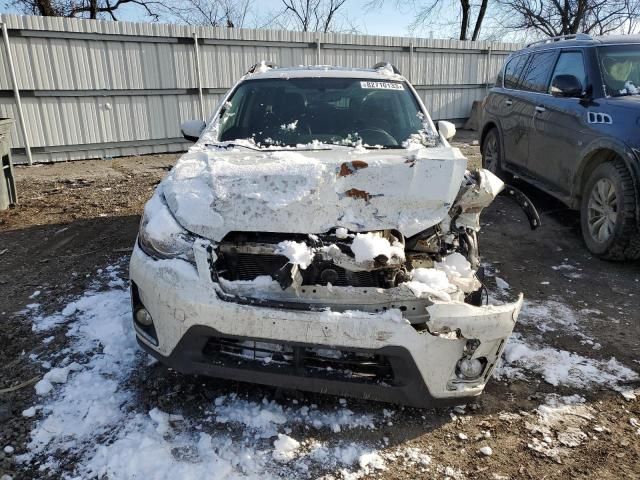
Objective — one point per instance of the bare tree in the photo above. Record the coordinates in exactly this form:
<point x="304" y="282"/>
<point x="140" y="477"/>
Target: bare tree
<point x="83" y="8"/>
<point x="312" y="15"/>
<point x="215" y="13"/>
<point x="554" y="17"/>
<point x="470" y="15"/>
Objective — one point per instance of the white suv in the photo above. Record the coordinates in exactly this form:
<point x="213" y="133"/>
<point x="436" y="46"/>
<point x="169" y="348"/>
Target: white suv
<point x="321" y="235"/>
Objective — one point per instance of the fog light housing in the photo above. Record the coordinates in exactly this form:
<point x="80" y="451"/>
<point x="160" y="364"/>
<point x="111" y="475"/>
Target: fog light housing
<point x="143" y="317"/>
<point x="470" y="368"/>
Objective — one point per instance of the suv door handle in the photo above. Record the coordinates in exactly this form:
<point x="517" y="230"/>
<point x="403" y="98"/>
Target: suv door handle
<point x="508" y="102"/>
<point x="540" y="109"/>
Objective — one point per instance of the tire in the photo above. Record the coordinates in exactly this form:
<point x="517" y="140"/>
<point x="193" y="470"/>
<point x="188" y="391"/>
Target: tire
<point x="492" y="153"/>
<point x="608" y="213"/>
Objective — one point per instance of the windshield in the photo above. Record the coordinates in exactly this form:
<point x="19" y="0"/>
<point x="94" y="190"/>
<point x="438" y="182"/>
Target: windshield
<point x="345" y="111"/>
<point x="620" y="69"/>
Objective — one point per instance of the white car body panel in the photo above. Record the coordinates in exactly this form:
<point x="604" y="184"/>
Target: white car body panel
<point x="222" y="188"/>
<point x="212" y="194"/>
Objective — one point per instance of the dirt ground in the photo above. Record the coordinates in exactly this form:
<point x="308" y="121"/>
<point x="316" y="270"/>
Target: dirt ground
<point x="74" y="218"/>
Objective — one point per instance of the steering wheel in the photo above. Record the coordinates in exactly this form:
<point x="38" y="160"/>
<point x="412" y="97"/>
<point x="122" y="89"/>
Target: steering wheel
<point x="378" y="134"/>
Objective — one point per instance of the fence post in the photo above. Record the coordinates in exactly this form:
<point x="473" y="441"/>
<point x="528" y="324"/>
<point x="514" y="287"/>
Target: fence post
<point x="411" y="61"/>
<point x="199" y="76"/>
<point x="319" y="54"/>
<point x="16" y="94"/>
<point x="486" y="70"/>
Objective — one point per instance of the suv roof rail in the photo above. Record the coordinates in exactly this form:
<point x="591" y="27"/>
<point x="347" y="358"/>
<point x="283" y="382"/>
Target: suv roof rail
<point x="573" y="36"/>
<point x="384" y="64"/>
<point x="254" y="68"/>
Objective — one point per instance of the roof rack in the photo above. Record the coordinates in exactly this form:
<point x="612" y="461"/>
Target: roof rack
<point x="255" y="67"/>
<point x="573" y="36"/>
<point x="384" y="64"/>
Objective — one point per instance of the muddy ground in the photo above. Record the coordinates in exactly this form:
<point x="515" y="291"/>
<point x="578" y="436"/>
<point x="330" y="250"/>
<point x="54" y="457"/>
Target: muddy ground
<point x="74" y="218"/>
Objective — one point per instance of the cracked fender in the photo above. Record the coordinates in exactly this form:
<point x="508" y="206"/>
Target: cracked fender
<point x="485" y="323"/>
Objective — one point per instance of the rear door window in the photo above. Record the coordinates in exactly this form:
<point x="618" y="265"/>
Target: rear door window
<point x="571" y="63"/>
<point x="536" y="78"/>
<point x="513" y="71"/>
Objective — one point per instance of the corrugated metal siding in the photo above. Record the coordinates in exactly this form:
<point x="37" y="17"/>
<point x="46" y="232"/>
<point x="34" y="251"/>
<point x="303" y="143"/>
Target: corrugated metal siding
<point x="93" y="89"/>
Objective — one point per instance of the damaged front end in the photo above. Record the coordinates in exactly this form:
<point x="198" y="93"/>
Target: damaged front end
<point x="370" y="313"/>
<point x="433" y="278"/>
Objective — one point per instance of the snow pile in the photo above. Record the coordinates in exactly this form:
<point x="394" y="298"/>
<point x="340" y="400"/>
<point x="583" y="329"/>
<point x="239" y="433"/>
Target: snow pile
<point x="284" y="448"/>
<point x="386" y="69"/>
<point x="342" y="233"/>
<point x="262" y="68"/>
<point x="93" y="414"/>
<point x="275" y="180"/>
<point x="459" y="272"/>
<point x="298" y="253"/>
<point x="429" y="281"/>
<point x="277" y="190"/>
<point x="55" y="375"/>
<point x="368" y="246"/>
<point x="263" y="419"/>
<point x="89" y="399"/>
<point x="559" y="367"/>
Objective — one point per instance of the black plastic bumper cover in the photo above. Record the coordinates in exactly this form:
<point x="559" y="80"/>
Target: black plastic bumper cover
<point x="408" y="387"/>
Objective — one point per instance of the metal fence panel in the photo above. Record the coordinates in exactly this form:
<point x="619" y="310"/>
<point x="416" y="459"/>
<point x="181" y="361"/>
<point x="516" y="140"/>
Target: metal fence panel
<point x="95" y="89"/>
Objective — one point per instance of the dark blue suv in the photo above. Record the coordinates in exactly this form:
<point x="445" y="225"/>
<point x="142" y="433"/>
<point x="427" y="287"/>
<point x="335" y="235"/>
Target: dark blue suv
<point x="564" y="115"/>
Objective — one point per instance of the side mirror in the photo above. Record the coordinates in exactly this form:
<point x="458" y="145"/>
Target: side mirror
<point x="566" y="86"/>
<point x="192" y="129"/>
<point x="447" y="129"/>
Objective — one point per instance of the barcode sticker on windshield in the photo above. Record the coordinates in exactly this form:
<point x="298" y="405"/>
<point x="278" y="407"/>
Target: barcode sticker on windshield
<point x="382" y="85"/>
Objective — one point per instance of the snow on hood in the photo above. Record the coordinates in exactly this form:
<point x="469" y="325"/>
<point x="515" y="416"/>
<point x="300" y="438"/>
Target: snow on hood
<point x="213" y="193"/>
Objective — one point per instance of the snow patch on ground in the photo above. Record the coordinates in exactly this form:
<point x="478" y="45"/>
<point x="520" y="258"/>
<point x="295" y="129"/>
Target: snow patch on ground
<point x="552" y="316"/>
<point x="91" y="413"/>
<point x="560" y="367"/>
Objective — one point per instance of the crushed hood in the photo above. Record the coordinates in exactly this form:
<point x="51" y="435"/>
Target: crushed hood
<point x="212" y="193"/>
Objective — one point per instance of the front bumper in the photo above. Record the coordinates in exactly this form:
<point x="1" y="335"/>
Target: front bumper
<point x="419" y="366"/>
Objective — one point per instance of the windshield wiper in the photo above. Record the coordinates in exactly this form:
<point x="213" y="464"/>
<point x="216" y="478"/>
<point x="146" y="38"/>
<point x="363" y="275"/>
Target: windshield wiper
<point x="227" y="145"/>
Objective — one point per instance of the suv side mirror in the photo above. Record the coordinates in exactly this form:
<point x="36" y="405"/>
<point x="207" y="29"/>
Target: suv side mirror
<point x="192" y="129"/>
<point x="566" y="86"/>
<point x="447" y="129"/>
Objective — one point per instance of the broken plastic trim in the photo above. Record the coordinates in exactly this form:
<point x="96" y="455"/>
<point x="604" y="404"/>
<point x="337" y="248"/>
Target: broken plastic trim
<point x="525" y="204"/>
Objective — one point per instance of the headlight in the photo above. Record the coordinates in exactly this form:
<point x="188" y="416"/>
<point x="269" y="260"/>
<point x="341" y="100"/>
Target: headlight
<point x="160" y="235"/>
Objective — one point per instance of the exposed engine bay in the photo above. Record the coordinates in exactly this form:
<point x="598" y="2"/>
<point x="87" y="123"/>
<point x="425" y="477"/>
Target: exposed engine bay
<point x="335" y="269"/>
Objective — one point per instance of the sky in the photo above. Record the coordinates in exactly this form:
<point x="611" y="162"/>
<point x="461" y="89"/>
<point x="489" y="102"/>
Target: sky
<point x="390" y="19"/>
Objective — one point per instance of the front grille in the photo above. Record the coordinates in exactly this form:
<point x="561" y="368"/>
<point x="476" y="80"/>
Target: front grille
<point x="324" y="363"/>
<point x="247" y="266"/>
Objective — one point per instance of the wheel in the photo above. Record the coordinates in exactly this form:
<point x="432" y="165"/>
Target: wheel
<point x="492" y="153"/>
<point x="607" y="213"/>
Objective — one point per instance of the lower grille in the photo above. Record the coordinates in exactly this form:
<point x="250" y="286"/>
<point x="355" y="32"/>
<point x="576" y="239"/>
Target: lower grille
<point x="301" y="361"/>
<point x="247" y="266"/>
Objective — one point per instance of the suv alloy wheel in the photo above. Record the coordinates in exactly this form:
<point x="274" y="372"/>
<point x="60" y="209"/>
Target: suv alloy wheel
<point x="607" y="213"/>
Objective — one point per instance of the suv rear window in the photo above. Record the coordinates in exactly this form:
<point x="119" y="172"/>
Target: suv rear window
<point x="513" y="70"/>
<point x="536" y="79"/>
